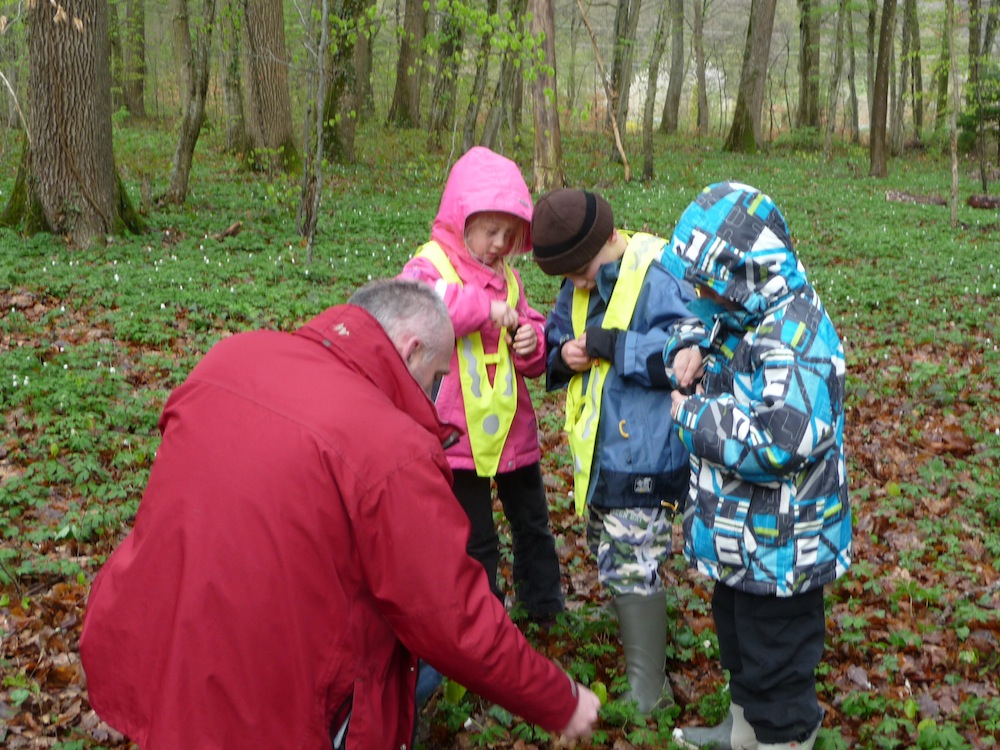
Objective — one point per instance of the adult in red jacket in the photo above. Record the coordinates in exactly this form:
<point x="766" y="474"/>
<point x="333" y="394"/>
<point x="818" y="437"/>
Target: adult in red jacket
<point x="298" y="546"/>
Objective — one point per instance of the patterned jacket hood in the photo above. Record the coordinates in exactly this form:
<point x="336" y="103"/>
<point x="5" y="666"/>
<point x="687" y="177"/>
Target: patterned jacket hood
<point x="734" y="240"/>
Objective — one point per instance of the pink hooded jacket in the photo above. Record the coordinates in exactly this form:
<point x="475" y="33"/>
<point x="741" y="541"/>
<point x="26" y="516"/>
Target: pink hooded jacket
<point x="482" y="180"/>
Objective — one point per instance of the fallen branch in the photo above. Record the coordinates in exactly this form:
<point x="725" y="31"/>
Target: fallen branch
<point x="231" y="231"/>
<point x="984" y="201"/>
<point x="901" y="196"/>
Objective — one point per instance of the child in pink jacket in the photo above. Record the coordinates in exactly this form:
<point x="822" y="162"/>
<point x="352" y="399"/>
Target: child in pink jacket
<point x="484" y="219"/>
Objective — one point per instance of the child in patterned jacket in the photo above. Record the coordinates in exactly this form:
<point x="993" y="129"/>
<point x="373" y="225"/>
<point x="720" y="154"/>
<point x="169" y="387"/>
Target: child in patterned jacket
<point x="768" y="516"/>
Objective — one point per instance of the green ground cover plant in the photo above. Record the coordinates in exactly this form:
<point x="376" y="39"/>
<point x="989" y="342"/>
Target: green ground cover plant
<point x="92" y="342"/>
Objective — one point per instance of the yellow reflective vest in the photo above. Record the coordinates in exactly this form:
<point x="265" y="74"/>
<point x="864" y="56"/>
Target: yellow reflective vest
<point x="583" y="398"/>
<point x="489" y="408"/>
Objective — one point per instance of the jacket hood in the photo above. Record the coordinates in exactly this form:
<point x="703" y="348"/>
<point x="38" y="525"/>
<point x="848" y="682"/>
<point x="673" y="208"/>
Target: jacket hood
<point x="481" y="180"/>
<point x="734" y="240"/>
<point x="352" y="335"/>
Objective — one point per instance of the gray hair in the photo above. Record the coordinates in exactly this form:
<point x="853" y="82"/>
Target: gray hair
<point x="406" y="306"/>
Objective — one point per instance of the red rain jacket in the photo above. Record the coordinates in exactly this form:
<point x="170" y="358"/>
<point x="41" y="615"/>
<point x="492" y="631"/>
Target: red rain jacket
<point x="297" y="547"/>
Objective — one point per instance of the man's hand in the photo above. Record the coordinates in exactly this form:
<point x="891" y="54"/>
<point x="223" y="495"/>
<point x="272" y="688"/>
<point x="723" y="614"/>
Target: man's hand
<point x="581" y="724"/>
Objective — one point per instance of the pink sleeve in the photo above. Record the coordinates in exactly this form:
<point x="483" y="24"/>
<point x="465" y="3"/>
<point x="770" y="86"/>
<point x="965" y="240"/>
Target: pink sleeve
<point x="468" y="307"/>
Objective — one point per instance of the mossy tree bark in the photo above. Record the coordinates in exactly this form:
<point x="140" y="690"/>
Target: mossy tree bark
<point x="267" y="106"/>
<point x="744" y="135"/>
<point x="548" y="169"/>
<point x="67" y="183"/>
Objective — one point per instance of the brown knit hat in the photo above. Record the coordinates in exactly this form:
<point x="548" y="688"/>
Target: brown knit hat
<point x="568" y="228"/>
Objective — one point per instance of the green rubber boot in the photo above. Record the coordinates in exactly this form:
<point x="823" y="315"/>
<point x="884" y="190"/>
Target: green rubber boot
<point x="642" y="623"/>
<point x="735" y="733"/>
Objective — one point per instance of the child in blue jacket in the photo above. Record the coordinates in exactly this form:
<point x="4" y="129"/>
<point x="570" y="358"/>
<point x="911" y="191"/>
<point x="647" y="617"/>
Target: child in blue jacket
<point x="768" y="515"/>
<point x="605" y="337"/>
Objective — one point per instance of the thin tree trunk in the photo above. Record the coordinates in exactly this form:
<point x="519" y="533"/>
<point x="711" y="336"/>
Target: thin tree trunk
<point x="878" y="146"/>
<point x="607" y="91"/>
<point x="626" y="26"/>
<point x="479" y="83"/>
<point x="916" y="70"/>
<point x="183" y="54"/>
<point x="898" y="110"/>
<point x="405" y="108"/>
<point x="340" y="100"/>
<point x="871" y="49"/>
<point x="500" y="110"/>
<point x="953" y="124"/>
<point x="854" y="119"/>
<point x="548" y="171"/>
<point x="838" y="65"/>
<point x="672" y="105"/>
<point x="237" y="140"/>
<point x="809" y="47"/>
<point x="662" y="19"/>
<point x="134" y="59"/>
<point x="442" y="114"/>
<point x="744" y="135"/>
<point x="363" y="65"/>
<point x="312" y="174"/>
<point x="194" y="114"/>
<point x="698" y="34"/>
<point x="942" y="73"/>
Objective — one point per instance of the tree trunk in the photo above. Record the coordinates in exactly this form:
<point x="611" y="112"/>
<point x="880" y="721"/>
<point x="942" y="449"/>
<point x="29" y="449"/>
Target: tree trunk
<point x="67" y="183"/>
<point x="405" y="109"/>
<point x="443" y="99"/>
<point x="649" y="108"/>
<point x="880" y="94"/>
<point x="313" y="146"/>
<point x="479" y="83"/>
<point x="942" y="73"/>
<point x="871" y="49"/>
<point x="11" y="46"/>
<point x="237" y="140"/>
<point x="548" y="171"/>
<point x="363" y="65"/>
<point x="898" y="109"/>
<point x="134" y="59"/>
<point x="672" y="105"/>
<point x="194" y="114"/>
<point x="626" y="25"/>
<point x="990" y="30"/>
<point x="809" y="46"/>
<point x="855" y="116"/>
<point x="267" y="107"/>
<point x="183" y="55"/>
<point x="838" y="66"/>
<point x="115" y="37"/>
<point x="501" y="108"/>
<point x="916" y="70"/>
<point x="698" y="40"/>
<point x="953" y="124"/>
<point x="339" y="83"/>
<point x="744" y="135"/>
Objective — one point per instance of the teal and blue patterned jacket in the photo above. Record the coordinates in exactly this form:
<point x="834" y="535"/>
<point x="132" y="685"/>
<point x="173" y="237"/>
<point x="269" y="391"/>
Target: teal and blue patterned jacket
<point x="768" y="510"/>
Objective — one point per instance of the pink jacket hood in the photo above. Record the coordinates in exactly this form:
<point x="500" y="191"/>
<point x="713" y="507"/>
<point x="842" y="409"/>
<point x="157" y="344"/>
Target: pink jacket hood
<point x="481" y="180"/>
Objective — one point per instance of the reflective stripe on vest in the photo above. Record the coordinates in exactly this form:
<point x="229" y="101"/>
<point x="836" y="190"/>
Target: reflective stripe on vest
<point x="489" y="409"/>
<point x="583" y="399"/>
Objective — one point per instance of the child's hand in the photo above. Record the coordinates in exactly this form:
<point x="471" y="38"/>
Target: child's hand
<point x="574" y="354"/>
<point x="525" y="340"/>
<point x="502" y="315"/>
<point x="688" y="367"/>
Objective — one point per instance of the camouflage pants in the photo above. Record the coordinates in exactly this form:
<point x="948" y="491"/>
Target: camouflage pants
<point x="630" y="544"/>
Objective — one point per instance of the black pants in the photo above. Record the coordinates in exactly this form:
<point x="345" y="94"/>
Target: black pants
<point x="771" y="647"/>
<point x="536" y="566"/>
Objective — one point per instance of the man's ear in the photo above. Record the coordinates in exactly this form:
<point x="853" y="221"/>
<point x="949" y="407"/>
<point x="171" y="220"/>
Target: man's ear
<point x="407" y="346"/>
